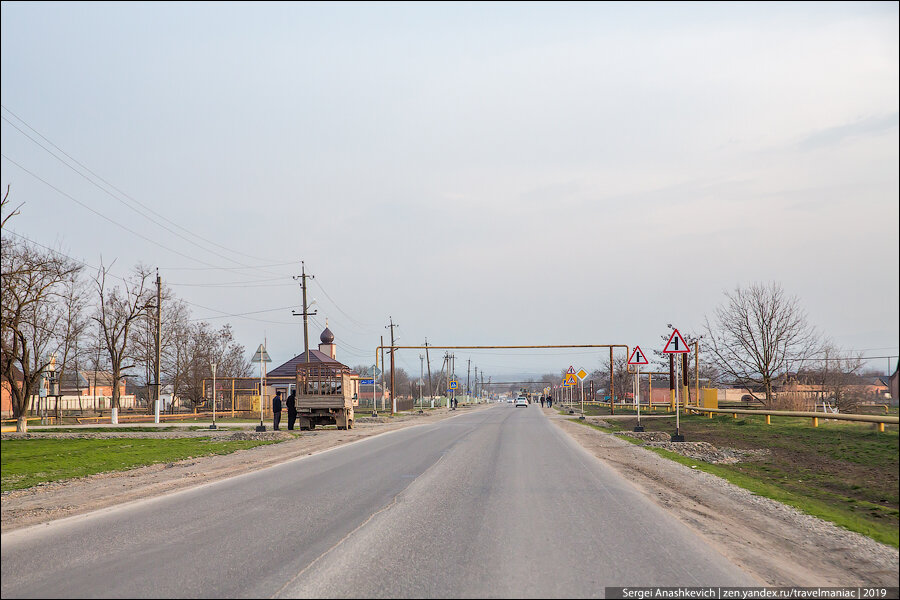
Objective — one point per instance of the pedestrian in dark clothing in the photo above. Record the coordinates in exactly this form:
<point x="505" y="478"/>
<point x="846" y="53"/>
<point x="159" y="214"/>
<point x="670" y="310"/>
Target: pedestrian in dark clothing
<point x="276" y="410"/>
<point x="543" y="399"/>
<point x="549" y="400"/>
<point x="292" y="409"/>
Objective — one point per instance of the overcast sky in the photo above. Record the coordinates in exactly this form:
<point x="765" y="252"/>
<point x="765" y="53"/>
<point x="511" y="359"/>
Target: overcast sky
<point x="484" y="173"/>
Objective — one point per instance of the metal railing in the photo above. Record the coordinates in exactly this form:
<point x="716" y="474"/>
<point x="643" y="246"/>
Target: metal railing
<point x="880" y="420"/>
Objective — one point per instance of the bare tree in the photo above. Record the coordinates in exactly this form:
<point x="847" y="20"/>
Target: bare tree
<point x="760" y="334"/>
<point x="175" y="315"/>
<point x="621" y="377"/>
<point x="836" y="371"/>
<point x="31" y="281"/>
<point x="73" y="327"/>
<point x="119" y="309"/>
<point x="197" y="347"/>
<point x="9" y="214"/>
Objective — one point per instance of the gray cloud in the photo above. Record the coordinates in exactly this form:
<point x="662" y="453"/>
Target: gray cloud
<point x="871" y="126"/>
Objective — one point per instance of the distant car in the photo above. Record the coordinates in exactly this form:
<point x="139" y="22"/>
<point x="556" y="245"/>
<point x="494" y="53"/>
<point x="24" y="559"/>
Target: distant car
<point x="509" y="400"/>
<point x="521" y="401"/>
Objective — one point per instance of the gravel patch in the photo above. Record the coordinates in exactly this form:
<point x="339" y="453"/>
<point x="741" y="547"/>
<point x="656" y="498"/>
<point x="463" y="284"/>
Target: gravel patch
<point x="697" y="450"/>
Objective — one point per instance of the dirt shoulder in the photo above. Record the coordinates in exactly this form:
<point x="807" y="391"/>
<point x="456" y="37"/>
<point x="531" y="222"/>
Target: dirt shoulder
<point x="777" y="543"/>
<point x="56" y="500"/>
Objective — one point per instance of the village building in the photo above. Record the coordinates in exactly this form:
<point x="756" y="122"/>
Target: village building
<point x="284" y="377"/>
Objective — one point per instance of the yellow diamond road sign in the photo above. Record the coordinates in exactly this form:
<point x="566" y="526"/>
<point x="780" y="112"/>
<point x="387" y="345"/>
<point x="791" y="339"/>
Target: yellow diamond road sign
<point x="582" y="374"/>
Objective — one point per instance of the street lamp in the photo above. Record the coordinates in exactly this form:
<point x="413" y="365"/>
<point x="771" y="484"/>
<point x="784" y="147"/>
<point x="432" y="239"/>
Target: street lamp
<point x="213" y="426"/>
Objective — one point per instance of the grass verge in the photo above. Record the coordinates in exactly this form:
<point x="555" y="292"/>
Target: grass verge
<point x="845" y="473"/>
<point x="25" y="463"/>
<point x="123" y="429"/>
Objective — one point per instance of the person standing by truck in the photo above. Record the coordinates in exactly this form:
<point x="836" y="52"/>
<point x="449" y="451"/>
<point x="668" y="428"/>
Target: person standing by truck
<point x="276" y="410"/>
<point x="292" y="409"/>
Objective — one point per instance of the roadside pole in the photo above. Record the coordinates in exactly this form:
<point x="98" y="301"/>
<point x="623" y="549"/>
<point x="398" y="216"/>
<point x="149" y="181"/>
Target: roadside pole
<point x="213" y="426"/>
<point x="374" y="385"/>
<point x="262" y="426"/>
<point x="382" y="374"/>
<point x="637" y="397"/>
<point x="637" y="359"/>
<point x="582" y="400"/>
<point x="677" y="409"/>
<point x="676" y="345"/>
<point x="261" y="357"/>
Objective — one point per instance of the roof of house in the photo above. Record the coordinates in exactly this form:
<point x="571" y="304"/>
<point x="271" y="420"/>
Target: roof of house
<point x="289" y="369"/>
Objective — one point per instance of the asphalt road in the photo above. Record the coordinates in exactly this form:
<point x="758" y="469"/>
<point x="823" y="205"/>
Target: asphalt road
<point x="493" y="503"/>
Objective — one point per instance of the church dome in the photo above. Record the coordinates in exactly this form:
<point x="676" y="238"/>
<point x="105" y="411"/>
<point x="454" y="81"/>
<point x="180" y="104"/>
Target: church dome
<point x="327" y="337"/>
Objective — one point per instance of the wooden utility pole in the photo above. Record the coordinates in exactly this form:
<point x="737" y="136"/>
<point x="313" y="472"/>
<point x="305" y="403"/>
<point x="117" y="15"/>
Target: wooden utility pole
<point x="306" y="314"/>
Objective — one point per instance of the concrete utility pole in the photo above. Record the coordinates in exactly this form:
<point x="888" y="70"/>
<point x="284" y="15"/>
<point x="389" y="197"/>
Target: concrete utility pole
<point x="430" y="384"/>
<point x="453" y="378"/>
<point x="382" y="375"/>
<point x="468" y="369"/>
<point x="445" y="364"/>
<point x="158" y="351"/>
<point x="393" y="397"/>
<point x="421" y="377"/>
<point x="475" y="384"/>
<point x="306" y="314"/>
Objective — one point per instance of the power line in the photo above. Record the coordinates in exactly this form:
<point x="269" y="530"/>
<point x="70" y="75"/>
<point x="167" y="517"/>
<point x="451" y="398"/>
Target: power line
<point x="240" y="315"/>
<point x="132" y="199"/>
<point x="250" y="283"/>
<point x="293" y="262"/>
<point x="358" y="323"/>
<point x="222" y="315"/>
<point x="117" y="224"/>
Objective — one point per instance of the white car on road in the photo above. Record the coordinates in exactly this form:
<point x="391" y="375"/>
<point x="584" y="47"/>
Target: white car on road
<point x="521" y="401"/>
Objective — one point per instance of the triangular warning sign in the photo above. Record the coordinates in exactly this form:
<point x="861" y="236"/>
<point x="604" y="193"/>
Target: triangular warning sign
<point x="637" y="357"/>
<point x="570" y="379"/>
<point x="676" y="344"/>
<point x="571" y="370"/>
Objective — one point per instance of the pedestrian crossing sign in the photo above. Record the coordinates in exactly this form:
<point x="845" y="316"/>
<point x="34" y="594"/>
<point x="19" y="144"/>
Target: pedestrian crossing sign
<point x="570" y="379"/>
<point x="454" y="385"/>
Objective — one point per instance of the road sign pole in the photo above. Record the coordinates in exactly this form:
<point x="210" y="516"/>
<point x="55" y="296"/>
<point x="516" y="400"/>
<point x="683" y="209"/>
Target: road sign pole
<point x="637" y="397"/>
<point x="582" y="400"/>
<point x="677" y="437"/>
<point x="261" y="426"/>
